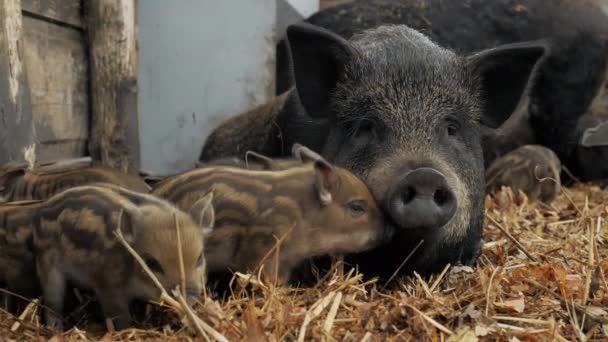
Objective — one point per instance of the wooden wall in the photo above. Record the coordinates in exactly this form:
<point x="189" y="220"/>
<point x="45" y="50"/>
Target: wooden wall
<point x="44" y="98"/>
<point x="55" y="56"/>
<point x="68" y="81"/>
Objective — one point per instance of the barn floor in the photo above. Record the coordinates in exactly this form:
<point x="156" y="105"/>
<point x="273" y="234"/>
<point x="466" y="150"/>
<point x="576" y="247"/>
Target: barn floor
<point x="553" y="287"/>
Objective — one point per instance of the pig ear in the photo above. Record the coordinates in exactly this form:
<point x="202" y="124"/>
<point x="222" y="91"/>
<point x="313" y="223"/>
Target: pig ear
<point x="506" y="72"/>
<point x="305" y="154"/>
<point x="327" y="181"/>
<point x="7" y="176"/>
<point x="127" y="225"/>
<point x="318" y="59"/>
<point x="255" y="157"/>
<point x="204" y="214"/>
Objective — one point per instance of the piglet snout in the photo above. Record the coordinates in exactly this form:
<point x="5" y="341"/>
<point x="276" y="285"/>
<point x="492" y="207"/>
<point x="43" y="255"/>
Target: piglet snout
<point x="192" y="295"/>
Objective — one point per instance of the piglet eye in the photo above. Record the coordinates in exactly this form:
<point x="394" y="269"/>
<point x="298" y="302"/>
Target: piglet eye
<point x="357" y="207"/>
<point x="153" y="264"/>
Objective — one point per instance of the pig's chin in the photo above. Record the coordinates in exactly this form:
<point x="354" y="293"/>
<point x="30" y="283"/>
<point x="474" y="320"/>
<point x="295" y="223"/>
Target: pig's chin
<point x="400" y="231"/>
<point x="425" y="244"/>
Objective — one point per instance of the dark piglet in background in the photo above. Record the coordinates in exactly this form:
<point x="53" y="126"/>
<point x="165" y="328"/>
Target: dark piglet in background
<point x="70" y="236"/>
<point x="533" y="169"/>
<point x="590" y="159"/>
<point x="567" y="85"/>
<point x="404" y="115"/>
<point x="317" y="208"/>
<point x="23" y="184"/>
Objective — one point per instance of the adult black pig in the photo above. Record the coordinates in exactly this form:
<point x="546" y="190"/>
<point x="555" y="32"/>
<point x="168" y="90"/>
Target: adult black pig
<point x="402" y="113"/>
<point x="566" y="85"/>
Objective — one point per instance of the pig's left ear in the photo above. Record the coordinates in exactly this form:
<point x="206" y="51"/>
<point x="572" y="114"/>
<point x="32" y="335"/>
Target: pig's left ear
<point x="204" y="213"/>
<point x="327" y="181"/>
<point x="319" y="59"/>
<point x="506" y="72"/>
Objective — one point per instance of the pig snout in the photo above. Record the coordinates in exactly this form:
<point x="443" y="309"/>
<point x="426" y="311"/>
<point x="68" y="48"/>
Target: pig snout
<point x="422" y="200"/>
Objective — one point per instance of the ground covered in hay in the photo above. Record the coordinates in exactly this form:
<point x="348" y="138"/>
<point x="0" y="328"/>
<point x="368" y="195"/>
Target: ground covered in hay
<point x="542" y="276"/>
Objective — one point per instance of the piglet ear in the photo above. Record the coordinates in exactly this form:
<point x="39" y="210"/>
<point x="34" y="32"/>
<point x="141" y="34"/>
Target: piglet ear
<point x="506" y="72"/>
<point x="326" y="181"/>
<point x="266" y="162"/>
<point x="204" y="214"/>
<point x="127" y="225"/>
<point x="305" y="154"/>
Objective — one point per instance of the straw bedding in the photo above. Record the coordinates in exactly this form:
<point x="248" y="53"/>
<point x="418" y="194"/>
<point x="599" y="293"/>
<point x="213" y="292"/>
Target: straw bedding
<point x="542" y="276"/>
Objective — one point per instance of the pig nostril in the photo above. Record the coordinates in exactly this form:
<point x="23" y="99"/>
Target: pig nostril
<point x="408" y="195"/>
<point x="441" y="197"/>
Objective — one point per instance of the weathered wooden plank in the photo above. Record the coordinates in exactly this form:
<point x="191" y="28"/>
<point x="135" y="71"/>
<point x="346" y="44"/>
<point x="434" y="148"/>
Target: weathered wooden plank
<point x="113" y="60"/>
<point x="15" y="110"/>
<point x="56" y="60"/>
<point x="64" y="11"/>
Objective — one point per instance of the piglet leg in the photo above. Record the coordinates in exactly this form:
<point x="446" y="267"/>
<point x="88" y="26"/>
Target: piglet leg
<point x="53" y="285"/>
<point x="115" y="306"/>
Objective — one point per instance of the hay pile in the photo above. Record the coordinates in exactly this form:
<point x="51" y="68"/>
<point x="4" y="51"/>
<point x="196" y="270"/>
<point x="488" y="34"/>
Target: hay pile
<point x="551" y="287"/>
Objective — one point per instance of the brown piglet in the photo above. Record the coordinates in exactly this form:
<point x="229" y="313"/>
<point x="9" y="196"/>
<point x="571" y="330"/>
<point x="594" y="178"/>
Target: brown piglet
<point x="22" y="184"/>
<point x="533" y="169"/>
<point x="314" y="207"/>
<point x="74" y="242"/>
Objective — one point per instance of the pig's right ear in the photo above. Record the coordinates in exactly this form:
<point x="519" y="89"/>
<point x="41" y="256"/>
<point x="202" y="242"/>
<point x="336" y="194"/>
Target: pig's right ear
<point x="204" y="214"/>
<point x="319" y="59"/>
<point x="127" y="224"/>
<point x="327" y="181"/>
<point x="506" y="72"/>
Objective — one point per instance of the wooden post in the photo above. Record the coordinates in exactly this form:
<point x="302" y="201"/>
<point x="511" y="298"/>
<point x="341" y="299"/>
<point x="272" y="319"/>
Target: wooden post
<point x="16" y="129"/>
<point x="114" y="138"/>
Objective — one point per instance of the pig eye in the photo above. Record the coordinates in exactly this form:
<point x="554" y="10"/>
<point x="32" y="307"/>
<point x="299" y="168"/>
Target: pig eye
<point x="153" y="264"/>
<point x="363" y="132"/>
<point x="357" y="207"/>
<point x="453" y="127"/>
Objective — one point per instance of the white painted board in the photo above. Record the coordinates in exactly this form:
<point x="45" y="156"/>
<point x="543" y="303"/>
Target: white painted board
<point x="200" y="61"/>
